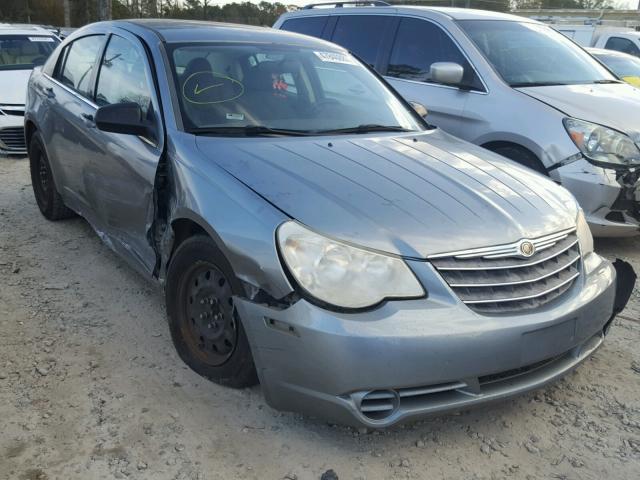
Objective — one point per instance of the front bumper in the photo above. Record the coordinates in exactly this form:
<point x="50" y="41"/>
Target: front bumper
<point x="421" y="356"/>
<point x="610" y="199"/>
<point x="12" y="141"/>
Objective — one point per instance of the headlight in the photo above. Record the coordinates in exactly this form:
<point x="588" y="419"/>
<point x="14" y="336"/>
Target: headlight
<point x="342" y="275"/>
<point x="602" y="144"/>
<point x="585" y="239"/>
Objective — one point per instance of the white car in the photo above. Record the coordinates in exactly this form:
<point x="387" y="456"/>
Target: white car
<point x="22" y="47"/>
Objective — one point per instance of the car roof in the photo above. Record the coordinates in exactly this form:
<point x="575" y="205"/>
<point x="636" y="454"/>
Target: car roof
<point x="23" y="29"/>
<point x="448" y="12"/>
<point x="176" y="31"/>
<point x="607" y="53"/>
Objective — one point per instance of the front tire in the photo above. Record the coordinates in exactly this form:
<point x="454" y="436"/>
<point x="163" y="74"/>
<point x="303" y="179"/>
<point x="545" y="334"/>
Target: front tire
<point x="44" y="188"/>
<point x="205" y="326"/>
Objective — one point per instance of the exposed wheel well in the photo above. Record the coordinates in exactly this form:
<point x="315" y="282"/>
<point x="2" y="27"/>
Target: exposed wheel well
<point x="184" y="228"/>
<point x="517" y="153"/>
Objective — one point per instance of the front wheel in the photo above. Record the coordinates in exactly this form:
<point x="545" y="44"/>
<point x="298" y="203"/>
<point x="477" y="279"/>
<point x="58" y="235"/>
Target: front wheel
<point x="205" y="327"/>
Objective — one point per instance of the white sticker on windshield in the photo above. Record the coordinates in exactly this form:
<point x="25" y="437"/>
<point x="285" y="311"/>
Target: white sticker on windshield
<point x="41" y="39"/>
<point x="336" y="57"/>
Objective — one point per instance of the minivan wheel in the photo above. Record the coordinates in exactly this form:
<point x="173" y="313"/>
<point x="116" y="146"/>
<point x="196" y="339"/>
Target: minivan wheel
<point x="205" y="326"/>
<point x="44" y="188"/>
<point x="520" y="155"/>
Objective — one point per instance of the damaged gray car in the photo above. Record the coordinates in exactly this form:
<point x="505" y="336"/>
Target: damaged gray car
<point x="310" y="230"/>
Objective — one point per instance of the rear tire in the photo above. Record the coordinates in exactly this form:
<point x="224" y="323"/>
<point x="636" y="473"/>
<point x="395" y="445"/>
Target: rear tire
<point x="205" y="326"/>
<point x="519" y="155"/>
<point x="44" y="188"/>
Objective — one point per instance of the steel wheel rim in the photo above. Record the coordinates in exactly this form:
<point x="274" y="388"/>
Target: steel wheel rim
<point x="210" y="326"/>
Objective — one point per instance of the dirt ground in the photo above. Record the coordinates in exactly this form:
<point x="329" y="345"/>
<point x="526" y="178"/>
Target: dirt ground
<point x="91" y="388"/>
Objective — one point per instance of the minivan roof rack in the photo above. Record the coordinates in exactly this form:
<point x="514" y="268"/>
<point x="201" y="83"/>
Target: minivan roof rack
<point x="361" y="3"/>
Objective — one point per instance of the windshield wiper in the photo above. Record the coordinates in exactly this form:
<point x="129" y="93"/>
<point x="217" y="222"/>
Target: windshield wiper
<point x="373" y="127"/>
<point x="538" y="84"/>
<point x="249" y="131"/>
<point x="607" y="81"/>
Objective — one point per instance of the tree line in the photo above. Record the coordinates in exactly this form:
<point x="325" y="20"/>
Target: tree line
<point x="75" y="13"/>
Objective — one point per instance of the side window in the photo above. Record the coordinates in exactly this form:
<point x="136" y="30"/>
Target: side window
<point x="306" y="25"/>
<point x="362" y="35"/>
<point x="122" y="77"/>
<point x="623" y="45"/>
<point x="80" y="60"/>
<point x="419" y="44"/>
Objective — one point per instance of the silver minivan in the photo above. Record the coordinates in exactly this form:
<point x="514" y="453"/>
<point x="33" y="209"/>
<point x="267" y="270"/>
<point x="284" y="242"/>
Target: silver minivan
<point x="509" y="84"/>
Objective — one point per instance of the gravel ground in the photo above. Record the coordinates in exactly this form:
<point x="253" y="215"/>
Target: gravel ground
<point x="91" y="388"/>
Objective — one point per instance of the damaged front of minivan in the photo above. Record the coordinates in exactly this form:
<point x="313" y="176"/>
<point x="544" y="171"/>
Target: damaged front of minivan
<point x="604" y="174"/>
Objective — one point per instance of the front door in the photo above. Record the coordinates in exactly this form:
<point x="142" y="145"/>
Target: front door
<point x="419" y="43"/>
<point x="120" y="177"/>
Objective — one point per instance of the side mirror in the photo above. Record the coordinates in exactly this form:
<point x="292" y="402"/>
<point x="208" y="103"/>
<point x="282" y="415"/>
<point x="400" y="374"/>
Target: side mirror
<point x="419" y="108"/>
<point x="447" y="73"/>
<point x="124" y="118"/>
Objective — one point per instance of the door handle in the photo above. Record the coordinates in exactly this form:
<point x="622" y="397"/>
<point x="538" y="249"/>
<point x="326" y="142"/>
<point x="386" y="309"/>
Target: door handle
<point x="88" y="120"/>
<point x="48" y="91"/>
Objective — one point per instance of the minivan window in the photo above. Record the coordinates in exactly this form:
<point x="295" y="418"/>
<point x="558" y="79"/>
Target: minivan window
<point x="81" y="57"/>
<point x="362" y="35"/>
<point x="23" y="52"/>
<point x="122" y="77"/>
<point x="623" y="45"/>
<point x="312" y="26"/>
<point x="419" y="44"/>
<point x="529" y="54"/>
<point x="228" y="88"/>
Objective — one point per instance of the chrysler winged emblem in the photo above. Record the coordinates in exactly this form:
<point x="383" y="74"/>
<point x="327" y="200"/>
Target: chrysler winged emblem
<point x="527" y="249"/>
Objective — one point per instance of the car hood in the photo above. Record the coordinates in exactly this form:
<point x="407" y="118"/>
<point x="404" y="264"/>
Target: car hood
<point x="411" y="195"/>
<point x="608" y="105"/>
<point x="13" y="86"/>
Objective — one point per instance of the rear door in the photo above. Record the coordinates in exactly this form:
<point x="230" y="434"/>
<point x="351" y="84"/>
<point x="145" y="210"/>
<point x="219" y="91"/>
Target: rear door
<point x="70" y="119"/>
<point x="417" y="44"/>
<point x="120" y="176"/>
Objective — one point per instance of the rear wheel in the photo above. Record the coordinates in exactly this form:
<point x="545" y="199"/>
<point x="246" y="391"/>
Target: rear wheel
<point x="520" y="155"/>
<point x="205" y="326"/>
<point x="44" y="188"/>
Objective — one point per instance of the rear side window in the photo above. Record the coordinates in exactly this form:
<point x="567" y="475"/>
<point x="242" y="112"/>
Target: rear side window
<point x="80" y="60"/>
<point x="306" y="25"/>
<point x="122" y="77"/>
<point x="362" y="35"/>
<point x="623" y="45"/>
<point x="419" y="44"/>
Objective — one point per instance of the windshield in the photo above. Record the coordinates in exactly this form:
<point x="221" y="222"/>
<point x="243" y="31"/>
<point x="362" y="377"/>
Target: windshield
<point x="530" y="54"/>
<point x="23" y="52"/>
<point x="621" y="66"/>
<point x="284" y="88"/>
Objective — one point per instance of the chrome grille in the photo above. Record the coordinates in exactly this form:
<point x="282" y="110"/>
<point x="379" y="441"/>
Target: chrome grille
<point x="12" y="140"/>
<point x="499" y="279"/>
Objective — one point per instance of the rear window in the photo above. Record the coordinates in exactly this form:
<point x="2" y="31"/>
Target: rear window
<point x="312" y="26"/>
<point x="623" y="45"/>
<point x="24" y="52"/>
<point x="362" y="35"/>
